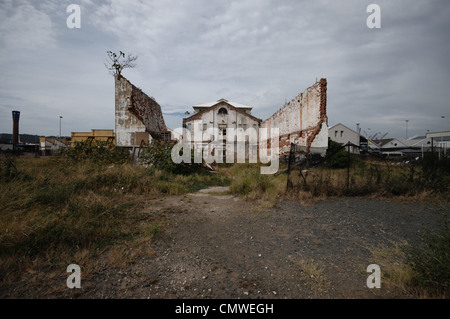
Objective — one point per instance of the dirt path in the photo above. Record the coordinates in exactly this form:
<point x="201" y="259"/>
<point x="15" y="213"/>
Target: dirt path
<point x="219" y="247"/>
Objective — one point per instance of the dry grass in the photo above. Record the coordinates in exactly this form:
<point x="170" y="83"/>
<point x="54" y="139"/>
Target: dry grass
<point x="398" y="275"/>
<point x="379" y="180"/>
<point x="55" y="211"/>
<point x="312" y="274"/>
<point x="247" y="181"/>
<point x="368" y="178"/>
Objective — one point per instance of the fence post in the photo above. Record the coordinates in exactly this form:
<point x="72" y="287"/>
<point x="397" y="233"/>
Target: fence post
<point x="348" y="164"/>
<point x="289" y="167"/>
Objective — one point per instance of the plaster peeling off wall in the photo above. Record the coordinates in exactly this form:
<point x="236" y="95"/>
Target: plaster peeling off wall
<point x="303" y="121"/>
<point x="135" y="112"/>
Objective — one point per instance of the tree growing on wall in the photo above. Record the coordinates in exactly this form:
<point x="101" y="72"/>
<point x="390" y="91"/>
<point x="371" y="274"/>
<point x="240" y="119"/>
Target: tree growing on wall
<point x="117" y="62"/>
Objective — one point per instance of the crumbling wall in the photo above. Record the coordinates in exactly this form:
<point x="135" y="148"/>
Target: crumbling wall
<point x="303" y="121"/>
<point x="135" y="112"/>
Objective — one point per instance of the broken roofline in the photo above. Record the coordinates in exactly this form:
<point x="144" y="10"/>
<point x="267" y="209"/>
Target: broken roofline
<point x="303" y="128"/>
<point x="145" y="108"/>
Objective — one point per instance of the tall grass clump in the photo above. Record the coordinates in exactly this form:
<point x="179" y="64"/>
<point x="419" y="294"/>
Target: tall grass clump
<point x="248" y="182"/>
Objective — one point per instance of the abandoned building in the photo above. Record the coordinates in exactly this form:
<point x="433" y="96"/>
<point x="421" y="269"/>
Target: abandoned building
<point x="223" y="116"/>
<point x="303" y="121"/>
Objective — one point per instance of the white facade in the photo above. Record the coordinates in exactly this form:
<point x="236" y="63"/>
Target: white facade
<point x="212" y="123"/>
<point x="342" y="134"/>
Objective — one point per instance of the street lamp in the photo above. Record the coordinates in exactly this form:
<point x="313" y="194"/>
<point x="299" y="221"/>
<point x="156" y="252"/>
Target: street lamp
<point x="442" y="126"/>
<point x="60" y="117"/>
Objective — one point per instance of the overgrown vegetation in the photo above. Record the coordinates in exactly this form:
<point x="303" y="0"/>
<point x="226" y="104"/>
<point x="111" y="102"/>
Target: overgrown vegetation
<point x="90" y="200"/>
<point x="53" y="209"/>
<point x="421" y="268"/>
<point x="337" y="156"/>
<point x="248" y="182"/>
<point x="372" y="176"/>
<point x="158" y="155"/>
<point x="430" y="262"/>
<point x="98" y="152"/>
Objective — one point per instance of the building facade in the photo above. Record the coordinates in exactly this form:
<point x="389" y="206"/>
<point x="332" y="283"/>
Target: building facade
<point x="342" y="134"/>
<point x="212" y="123"/>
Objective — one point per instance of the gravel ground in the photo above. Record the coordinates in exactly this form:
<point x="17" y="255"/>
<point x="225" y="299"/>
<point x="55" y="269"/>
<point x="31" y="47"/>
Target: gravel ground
<point x="221" y="247"/>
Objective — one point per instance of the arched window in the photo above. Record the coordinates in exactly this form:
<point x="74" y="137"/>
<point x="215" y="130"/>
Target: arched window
<point x="223" y="111"/>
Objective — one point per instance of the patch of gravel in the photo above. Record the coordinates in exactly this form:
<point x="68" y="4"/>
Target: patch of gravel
<point x="219" y="247"/>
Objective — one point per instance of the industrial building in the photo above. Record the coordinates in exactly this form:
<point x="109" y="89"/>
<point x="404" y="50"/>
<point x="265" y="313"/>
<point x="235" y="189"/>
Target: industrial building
<point x="94" y="134"/>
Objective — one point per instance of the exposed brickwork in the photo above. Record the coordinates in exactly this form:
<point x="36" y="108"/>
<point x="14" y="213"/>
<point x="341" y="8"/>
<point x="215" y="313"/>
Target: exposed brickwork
<point x="303" y="121"/>
<point x="147" y="110"/>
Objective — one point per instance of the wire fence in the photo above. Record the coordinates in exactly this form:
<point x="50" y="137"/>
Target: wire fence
<point x="343" y="172"/>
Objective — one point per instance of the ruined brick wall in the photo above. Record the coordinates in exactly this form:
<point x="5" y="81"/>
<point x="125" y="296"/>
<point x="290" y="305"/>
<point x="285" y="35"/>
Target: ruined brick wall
<point x="135" y="112"/>
<point x="303" y="121"/>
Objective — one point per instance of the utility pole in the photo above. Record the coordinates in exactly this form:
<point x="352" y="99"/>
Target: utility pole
<point x="442" y="131"/>
<point x="406" y="129"/>
<point x="442" y="126"/>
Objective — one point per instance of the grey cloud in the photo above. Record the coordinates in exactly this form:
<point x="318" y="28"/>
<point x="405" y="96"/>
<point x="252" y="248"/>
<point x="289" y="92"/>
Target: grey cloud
<point x="259" y="53"/>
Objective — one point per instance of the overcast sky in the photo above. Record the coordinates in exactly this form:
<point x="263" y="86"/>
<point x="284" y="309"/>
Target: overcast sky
<point x="255" y="52"/>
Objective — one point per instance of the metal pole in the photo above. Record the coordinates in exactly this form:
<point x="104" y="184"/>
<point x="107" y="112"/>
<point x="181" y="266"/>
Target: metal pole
<point x="288" y="182"/>
<point x="406" y="129"/>
<point x="348" y="164"/>
<point x="442" y="130"/>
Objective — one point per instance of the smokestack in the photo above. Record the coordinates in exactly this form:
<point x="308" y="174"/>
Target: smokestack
<point x="15" y="137"/>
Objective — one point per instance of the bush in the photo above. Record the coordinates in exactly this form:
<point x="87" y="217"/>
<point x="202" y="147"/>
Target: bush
<point x="435" y="172"/>
<point x="336" y="156"/>
<point x="100" y="152"/>
<point x="158" y="154"/>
